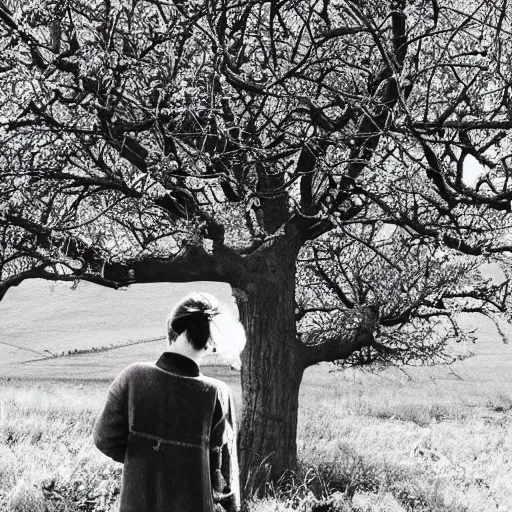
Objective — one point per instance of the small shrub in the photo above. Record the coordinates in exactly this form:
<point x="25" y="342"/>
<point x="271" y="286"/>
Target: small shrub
<point x="501" y="401"/>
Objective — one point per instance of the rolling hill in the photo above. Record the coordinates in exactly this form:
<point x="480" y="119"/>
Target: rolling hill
<point x="39" y="320"/>
<point x="99" y="331"/>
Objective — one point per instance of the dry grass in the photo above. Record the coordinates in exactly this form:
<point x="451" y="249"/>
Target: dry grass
<point x="47" y="460"/>
<point x="442" y="446"/>
<point x="366" y="443"/>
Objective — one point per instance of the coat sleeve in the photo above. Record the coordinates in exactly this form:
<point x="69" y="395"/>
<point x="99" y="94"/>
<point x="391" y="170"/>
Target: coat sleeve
<point x="223" y="454"/>
<point x="110" y="431"/>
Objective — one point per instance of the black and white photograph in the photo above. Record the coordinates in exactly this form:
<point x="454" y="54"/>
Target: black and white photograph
<point x="255" y="255"/>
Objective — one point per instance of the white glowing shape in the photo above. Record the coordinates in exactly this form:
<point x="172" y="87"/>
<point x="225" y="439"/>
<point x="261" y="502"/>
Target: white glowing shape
<point x="229" y="339"/>
<point x="472" y="170"/>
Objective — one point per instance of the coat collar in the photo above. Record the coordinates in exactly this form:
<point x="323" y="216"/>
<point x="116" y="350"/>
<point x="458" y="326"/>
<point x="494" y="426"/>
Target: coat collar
<point x="178" y="364"/>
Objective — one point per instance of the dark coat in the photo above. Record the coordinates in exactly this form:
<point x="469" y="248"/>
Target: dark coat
<point x="174" y="429"/>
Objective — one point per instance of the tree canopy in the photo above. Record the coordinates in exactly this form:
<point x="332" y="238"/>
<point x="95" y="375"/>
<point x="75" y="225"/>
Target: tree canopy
<point x="396" y="299"/>
<point x="137" y="127"/>
<point x="134" y="132"/>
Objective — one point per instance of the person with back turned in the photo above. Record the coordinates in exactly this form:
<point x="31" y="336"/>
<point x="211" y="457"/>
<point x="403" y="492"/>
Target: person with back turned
<point x="172" y="427"/>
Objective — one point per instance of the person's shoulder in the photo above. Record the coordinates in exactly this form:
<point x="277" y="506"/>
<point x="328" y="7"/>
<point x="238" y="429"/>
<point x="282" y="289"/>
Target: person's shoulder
<point x="129" y="377"/>
<point x="134" y="371"/>
<point x="219" y="385"/>
<point x="137" y="367"/>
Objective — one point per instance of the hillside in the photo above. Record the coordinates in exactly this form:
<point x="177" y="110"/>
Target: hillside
<point x="38" y="319"/>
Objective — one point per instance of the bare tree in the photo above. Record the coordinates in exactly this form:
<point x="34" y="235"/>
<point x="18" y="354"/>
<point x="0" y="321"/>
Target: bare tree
<point x="391" y="298"/>
<point x="152" y="140"/>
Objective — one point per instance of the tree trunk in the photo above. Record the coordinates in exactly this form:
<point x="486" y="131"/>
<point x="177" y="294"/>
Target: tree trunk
<point x="273" y="362"/>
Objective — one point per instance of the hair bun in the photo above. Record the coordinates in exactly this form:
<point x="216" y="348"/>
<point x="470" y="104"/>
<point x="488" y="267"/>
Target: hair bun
<point x="194" y="312"/>
<point x="200" y="309"/>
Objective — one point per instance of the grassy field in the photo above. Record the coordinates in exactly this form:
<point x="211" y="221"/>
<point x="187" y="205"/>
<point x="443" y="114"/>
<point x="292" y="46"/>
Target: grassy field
<point x="42" y="316"/>
<point x="366" y="443"/>
<point x="418" y="439"/>
<point x="39" y="320"/>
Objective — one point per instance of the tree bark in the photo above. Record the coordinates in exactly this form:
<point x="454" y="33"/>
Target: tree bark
<point x="273" y="362"/>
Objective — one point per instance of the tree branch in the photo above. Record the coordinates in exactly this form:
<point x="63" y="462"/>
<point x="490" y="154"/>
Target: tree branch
<point x="342" y="342"/>
<point x="192" y="263"/>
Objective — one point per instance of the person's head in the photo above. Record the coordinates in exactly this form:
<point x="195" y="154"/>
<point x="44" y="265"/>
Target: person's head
<point x="192" y="317"/>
